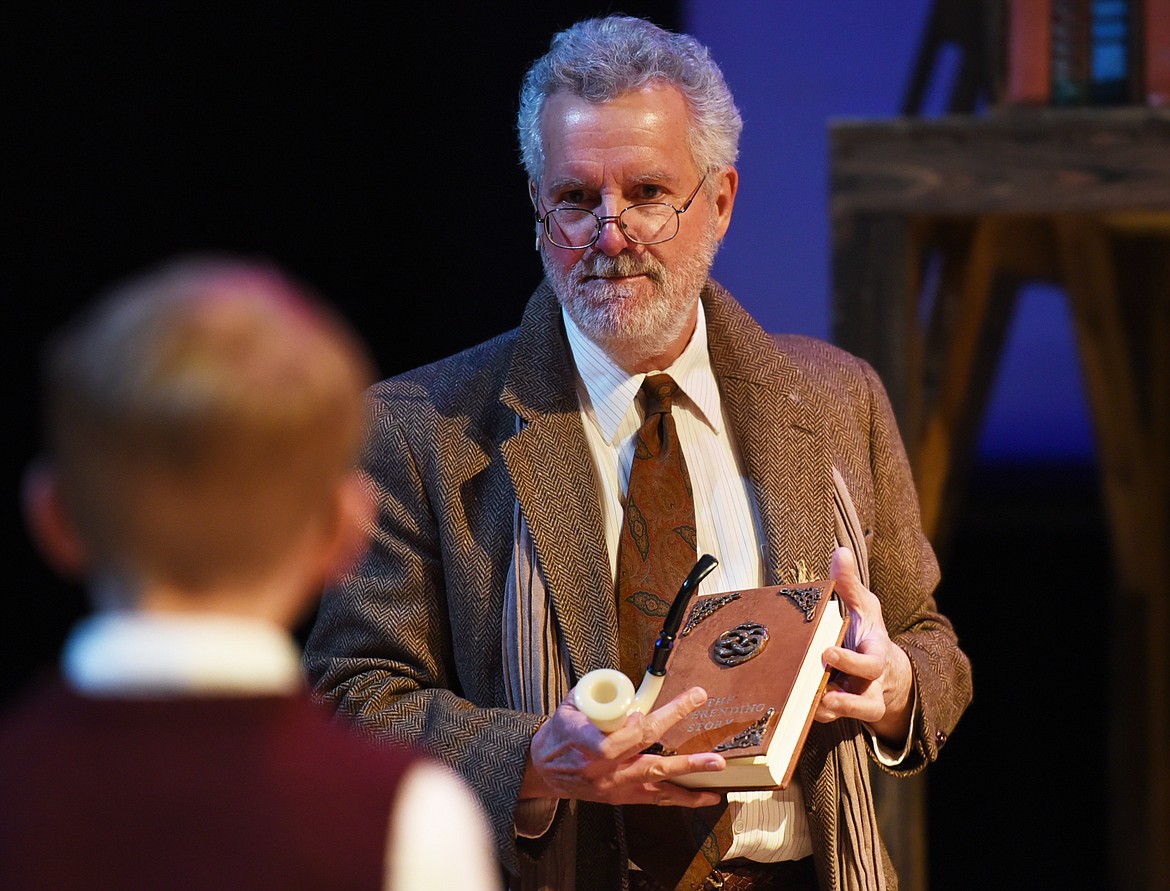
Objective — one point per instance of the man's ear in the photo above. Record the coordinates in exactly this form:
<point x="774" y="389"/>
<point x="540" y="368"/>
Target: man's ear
<point x="351" y="529"/>
<point x="49" y="523"/>
<point x="725" y="199"/>
<point x="536" y="210"/>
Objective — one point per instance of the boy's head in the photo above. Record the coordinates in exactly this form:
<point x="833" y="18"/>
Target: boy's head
<point x="199" y="420"/>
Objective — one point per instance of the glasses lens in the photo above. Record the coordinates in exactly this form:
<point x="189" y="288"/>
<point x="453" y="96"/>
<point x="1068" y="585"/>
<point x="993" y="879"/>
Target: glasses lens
<point x="570" y="227"/>
<point x="649" y="223"/>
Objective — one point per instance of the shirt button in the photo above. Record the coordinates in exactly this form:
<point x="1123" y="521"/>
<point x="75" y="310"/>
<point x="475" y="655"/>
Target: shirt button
<point x="738" y="826"/>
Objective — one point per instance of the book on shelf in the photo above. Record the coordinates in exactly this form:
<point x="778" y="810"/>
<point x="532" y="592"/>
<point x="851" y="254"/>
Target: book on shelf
<point x="1083" y="52"/>
<point x="757" y="653"/>
<point x="1156" y="51"/>
<point x="1071" y="51"/>
<point x="1028" y="78"/>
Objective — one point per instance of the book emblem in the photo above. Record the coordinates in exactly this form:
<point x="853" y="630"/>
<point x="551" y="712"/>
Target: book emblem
<point x="740" y="644"/>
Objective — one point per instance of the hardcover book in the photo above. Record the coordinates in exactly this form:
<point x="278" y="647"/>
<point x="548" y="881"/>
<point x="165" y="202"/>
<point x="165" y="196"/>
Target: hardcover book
<point x="1029" y="52"/>
<point x="1156" y="36"/>
<point x="757" y="653"/>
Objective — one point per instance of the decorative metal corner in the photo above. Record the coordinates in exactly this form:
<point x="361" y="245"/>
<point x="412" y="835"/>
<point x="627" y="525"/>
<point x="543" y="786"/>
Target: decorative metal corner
<point x="806" y="598"/>
<point x="705" y="608"/>
<point x="751" y="735"/>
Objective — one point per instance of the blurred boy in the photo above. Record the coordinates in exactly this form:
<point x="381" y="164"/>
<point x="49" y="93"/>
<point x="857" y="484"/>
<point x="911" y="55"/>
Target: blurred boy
<point x="202" y="428"/>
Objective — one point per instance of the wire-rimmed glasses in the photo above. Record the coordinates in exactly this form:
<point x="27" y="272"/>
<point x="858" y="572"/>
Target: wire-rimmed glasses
<point x="576" y="228"/>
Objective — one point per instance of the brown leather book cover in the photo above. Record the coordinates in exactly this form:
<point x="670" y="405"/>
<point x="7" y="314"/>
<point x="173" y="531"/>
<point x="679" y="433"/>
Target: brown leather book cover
<point x="757" y="653"/>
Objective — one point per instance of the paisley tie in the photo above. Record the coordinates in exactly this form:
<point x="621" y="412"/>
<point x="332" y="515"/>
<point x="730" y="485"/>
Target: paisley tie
<point x="657" y="546"/>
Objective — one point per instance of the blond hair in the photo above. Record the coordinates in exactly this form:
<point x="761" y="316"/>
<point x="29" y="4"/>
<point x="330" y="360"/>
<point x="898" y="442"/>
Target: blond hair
<point x="200" y="417"/>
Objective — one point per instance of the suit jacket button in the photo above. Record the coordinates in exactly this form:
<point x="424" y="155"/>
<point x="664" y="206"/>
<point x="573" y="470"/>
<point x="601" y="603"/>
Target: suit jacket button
<point x="940" y="738"/>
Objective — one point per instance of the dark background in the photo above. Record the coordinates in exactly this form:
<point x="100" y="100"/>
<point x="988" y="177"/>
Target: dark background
<point x="371" y="153"/>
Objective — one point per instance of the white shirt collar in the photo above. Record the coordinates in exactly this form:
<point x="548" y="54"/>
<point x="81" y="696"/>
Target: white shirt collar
<point x="610" y="391"/>
<point x="152" y="654"/>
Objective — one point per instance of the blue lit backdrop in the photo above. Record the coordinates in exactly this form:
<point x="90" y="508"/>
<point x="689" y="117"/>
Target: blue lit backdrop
<point x="793" y="67"/>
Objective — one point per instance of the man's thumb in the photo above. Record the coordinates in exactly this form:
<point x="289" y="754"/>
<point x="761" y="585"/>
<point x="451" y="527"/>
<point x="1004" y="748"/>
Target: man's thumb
<point x="843" y="571"/>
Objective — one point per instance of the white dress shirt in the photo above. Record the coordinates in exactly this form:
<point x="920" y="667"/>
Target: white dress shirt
<point x="770" y="825"/>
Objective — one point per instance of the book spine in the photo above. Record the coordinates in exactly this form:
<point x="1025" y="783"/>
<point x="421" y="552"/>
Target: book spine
<point x="1156" y="45"/>
<point x="1110" y="24"/>
<point x="1029" y="33"/>
<point x="1070" y="52"/>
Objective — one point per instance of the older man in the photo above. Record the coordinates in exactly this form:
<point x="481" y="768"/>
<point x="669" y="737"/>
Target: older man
<point x="497" y="578"/>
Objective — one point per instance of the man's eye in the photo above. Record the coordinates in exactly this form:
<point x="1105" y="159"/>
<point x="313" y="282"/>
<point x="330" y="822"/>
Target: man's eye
<point x="650" y="192"/>
<point x="575" y="196"/>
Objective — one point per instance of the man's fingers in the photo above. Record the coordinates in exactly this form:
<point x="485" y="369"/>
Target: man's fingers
<point x="667" y="767"/>
<point x="655" y="724"/>
<point x="839" y="704"/>
<point x="664" y="768"/>
<point x="649" y="779"/>
<point x="868" y="666"/>
<point x="641" y="731"/>
<point x="570" y="758"/>
<point x="624" y="741"/>
<point x="669" y="795"/>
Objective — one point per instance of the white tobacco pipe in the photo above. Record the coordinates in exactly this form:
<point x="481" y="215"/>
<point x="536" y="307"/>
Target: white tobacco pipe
<point x="607" y="697"/>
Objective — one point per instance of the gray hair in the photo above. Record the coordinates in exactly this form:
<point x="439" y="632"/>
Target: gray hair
<point x="600" y="59"/>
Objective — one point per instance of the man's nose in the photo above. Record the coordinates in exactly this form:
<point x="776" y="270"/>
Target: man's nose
<point x="611" y="240"/>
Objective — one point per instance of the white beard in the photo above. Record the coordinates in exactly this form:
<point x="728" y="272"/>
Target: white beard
<point x="631" y="326"/>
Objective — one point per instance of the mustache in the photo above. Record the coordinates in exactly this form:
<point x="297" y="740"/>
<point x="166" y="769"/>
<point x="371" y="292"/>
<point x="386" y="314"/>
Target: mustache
<point x="602" y="266"/>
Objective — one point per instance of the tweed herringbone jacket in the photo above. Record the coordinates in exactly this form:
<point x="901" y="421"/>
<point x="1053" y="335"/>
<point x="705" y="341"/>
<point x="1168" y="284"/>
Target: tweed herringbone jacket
<point x="409" y="644"/>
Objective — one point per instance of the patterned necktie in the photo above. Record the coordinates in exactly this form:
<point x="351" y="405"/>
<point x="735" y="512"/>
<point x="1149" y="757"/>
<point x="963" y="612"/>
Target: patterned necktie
<point x="658" y="547"/>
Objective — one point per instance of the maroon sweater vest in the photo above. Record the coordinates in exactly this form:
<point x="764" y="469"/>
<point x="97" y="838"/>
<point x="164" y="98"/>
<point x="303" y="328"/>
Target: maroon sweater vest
<point x="186" y="793"/>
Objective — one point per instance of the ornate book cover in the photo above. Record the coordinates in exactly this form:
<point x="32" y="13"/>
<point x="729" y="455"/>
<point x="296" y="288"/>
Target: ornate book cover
<point x="757" y="653"/>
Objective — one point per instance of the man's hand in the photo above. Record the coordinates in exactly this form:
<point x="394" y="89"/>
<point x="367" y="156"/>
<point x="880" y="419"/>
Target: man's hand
<point x="570" y="758"/>
<point x="879" y="680"/>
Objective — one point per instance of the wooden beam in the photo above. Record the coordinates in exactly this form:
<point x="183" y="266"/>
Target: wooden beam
<point x="1135" y="460"/>
<point x="1029" y="162"/>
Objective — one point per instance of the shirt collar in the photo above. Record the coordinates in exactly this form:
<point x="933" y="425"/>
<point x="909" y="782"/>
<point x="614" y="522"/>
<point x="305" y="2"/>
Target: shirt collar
<point x="153" y="654"/>
<point x="609" y="391"/>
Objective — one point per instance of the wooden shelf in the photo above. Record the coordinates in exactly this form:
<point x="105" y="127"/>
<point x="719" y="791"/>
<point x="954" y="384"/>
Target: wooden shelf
<point x="1018" y="161"/>
<point x="936" y="222"/>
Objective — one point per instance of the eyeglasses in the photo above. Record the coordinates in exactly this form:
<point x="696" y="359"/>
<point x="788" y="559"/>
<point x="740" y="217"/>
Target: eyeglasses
<point x="577" y="227"/>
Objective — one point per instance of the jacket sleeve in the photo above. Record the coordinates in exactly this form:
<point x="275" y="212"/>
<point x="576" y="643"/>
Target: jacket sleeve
<point x="382" y="651"/>
<point x="903" y="574"/>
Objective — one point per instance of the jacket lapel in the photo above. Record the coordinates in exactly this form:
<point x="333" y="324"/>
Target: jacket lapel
<point x="777" y="428"/>
<point x="781" y="437"/>
<point x="548" y="461"/>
